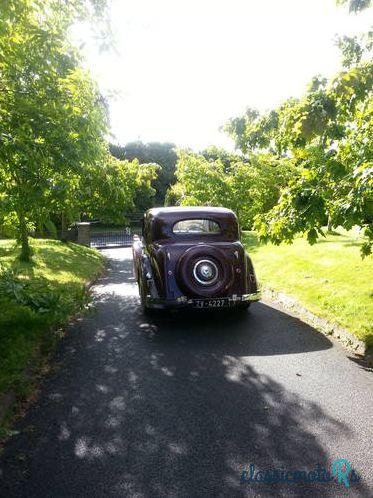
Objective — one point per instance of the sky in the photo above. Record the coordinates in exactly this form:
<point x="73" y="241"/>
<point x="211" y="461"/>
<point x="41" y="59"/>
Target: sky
<point x="181" y="68"/>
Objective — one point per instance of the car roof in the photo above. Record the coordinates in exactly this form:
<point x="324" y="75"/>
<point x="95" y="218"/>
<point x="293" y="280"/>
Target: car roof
<point x="193" y="210"/>
<point x="162" y="220"/>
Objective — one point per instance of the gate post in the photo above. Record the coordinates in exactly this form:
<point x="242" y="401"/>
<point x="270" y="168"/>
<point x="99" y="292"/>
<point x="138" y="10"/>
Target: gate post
<point x="84" y="235"/>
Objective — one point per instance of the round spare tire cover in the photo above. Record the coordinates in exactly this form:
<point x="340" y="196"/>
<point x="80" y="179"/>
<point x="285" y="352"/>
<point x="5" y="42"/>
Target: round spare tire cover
<point x="205" y="271"/>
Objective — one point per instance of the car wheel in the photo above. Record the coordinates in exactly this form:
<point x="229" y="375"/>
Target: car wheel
<point x="238" y="310"/>
<point x="244" y="306"/>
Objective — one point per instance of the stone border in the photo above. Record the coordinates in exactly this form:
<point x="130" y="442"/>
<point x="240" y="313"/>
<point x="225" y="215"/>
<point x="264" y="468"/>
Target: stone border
<point x="84" y="233"/>
<point x="291" y="304"/>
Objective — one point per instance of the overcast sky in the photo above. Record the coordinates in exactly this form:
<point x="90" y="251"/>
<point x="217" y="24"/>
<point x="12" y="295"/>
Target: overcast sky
<point x="183" y="67"/>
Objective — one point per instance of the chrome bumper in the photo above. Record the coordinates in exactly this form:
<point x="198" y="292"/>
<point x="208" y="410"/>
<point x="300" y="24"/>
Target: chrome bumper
<point x="184" y="302"/>
<point x="255" y="296"/>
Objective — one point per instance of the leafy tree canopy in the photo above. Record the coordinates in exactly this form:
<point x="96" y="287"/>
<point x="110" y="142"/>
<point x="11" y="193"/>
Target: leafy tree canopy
<point x="163" y="154"/>
<point x="247" y="186"/>
<point x="328" y="134"/>
<point x="52" y="118"/>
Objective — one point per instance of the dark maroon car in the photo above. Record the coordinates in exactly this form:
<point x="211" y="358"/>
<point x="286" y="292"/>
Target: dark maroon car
<point x="193" y="257"/>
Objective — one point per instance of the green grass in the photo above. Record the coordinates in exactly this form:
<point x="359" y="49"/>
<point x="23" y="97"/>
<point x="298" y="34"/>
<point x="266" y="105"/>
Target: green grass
<point x="329" y="278"/>
<point x="26" y="334"/>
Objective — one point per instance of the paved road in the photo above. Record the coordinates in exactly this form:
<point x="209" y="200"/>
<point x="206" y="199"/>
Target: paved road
<point x="179" y="405"/>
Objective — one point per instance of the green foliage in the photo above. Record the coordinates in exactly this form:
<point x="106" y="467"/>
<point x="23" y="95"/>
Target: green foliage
<point x="54" y="160"/>
<point x="199" y="181"/>
<point x="37" y="297"/>
<point x="116" y="187"/>
<point x="351" y="50"/>
<point x="247" y="186"/>
<point x="51" y="227"/>
<point x="162" y="154"/>
<point x="228" y="159"/>
<point x="52" y="117"/>
<point x="255" y="187"/>
<point x="327" y="133"/>
<point x="252" y="130"/>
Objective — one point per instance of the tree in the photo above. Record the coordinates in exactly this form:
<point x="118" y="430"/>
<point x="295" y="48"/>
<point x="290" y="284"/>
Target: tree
<point x="52" y="117"/>
<point x="163" y="154"/>
<point x="113" y="188"/>
<point x="355" y="5"/>
<point x="199" y="181"/>
<point x="227" y="158"/>
<point x="253" y="131"/>
<point x="327" y="133"/>
<point x="355" y="48"/>
<point x="247" y="186"/>
<point x="255" y="186"/>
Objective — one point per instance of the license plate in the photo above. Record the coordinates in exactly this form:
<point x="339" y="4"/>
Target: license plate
<point x="211" y="303"/>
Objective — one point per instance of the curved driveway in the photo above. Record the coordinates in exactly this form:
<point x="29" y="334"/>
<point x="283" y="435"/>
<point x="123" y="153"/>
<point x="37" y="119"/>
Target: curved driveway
<point x="179" y="405"/>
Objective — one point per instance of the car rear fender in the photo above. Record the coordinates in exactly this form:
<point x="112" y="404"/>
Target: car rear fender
<point x="252" y="284"/>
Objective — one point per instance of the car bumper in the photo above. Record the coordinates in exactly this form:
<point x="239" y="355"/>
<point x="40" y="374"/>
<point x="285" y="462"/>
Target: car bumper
<point x="184" y="302"/>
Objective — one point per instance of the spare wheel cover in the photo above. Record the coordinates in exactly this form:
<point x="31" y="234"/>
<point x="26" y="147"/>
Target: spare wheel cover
<point x="204" y="270"/>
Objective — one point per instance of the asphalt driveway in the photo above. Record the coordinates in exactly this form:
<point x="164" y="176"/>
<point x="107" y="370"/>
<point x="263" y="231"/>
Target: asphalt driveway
<point x="180" y="405"/>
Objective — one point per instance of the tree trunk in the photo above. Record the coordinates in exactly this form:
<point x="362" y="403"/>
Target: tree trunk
<point x="330" y="226"/>
<point x="23" y="239"/>
<point x="63" y="227"/>
<point x="39" y="229"/>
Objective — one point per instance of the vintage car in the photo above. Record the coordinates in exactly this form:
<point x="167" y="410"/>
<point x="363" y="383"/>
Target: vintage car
<point x="193" y="257"/>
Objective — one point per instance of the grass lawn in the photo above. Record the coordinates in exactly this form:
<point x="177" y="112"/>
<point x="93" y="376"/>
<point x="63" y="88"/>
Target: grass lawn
<point x="329" y="278"/>
<point x="54" y="289"/>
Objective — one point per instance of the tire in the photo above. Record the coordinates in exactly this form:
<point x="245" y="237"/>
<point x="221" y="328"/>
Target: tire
<point x="186" y="271"/>
<point x="245" y="305"/>
<point x="238" y="310"/>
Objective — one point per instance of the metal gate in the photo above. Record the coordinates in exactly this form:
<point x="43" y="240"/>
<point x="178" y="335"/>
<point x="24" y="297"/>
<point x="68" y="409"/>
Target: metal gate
<point x="114" y="238"/>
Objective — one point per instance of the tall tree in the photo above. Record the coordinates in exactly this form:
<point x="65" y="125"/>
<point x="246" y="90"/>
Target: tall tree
<point x="52" y="117"/>
<point x="328" y="133"/>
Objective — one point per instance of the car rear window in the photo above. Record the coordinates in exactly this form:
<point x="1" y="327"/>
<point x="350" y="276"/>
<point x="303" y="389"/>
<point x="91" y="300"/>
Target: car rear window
<point x="196" y="226"/>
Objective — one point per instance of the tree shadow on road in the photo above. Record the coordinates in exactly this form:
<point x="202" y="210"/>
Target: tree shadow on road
<point x="169" y="407"/>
